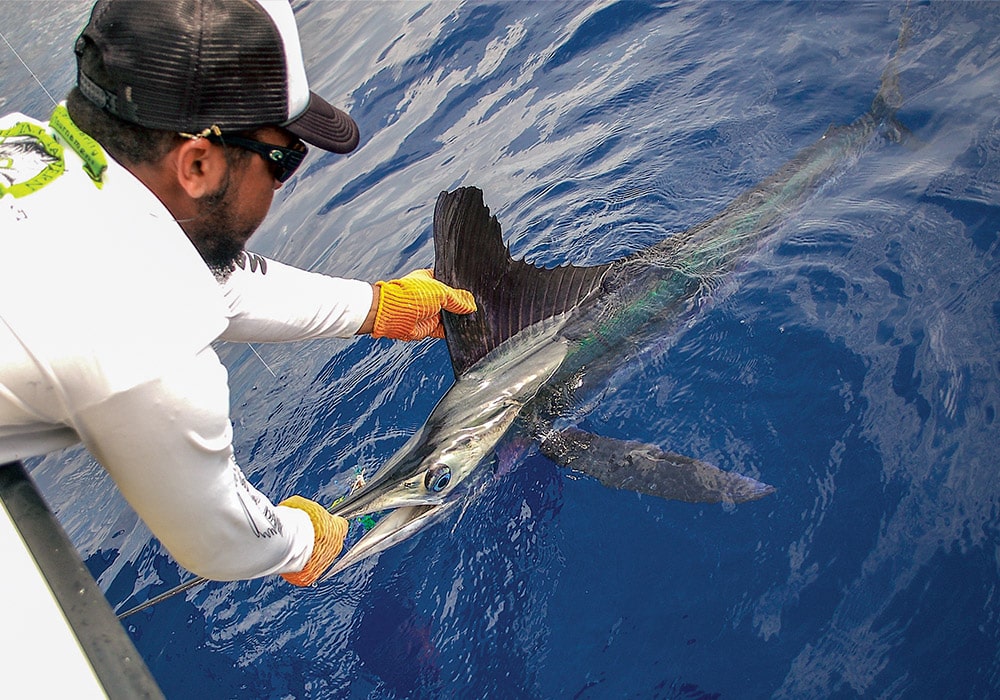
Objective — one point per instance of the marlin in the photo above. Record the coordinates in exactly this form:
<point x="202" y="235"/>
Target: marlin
<point x="542" y="335"/>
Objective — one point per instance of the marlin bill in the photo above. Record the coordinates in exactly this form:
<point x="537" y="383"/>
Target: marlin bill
<point x="541" y="335"/>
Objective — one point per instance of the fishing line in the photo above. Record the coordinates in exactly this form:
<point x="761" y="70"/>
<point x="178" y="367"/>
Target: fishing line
<point x="31" y="72"/>
<point x="262" y="361"/>
<point x="163" y="596"/>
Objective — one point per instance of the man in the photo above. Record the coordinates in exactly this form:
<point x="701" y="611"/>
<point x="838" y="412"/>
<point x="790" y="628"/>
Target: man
<point x="124" y="221"/>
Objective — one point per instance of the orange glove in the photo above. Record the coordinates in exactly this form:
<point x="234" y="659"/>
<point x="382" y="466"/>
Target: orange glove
<point x="410" y="308"/>
<point x="330" y="533"/>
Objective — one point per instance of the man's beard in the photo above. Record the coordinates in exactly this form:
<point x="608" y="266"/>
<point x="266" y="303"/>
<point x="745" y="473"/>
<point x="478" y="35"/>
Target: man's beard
<point x="217" y="234"/>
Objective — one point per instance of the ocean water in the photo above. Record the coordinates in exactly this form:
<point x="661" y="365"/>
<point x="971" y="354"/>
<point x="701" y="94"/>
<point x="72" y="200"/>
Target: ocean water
<point x="853" y="363"/>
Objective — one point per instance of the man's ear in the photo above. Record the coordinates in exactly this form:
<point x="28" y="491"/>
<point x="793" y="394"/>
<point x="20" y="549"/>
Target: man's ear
<point x="200" y="167"/>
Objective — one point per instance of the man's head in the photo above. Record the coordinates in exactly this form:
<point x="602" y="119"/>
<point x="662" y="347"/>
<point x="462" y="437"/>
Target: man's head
<point x="182" y="75"/>
<point x="188" y="65"/>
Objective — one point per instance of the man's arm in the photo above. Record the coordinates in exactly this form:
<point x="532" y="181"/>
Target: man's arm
<point x="272" y="302"/>
<point x="168" y="446"/>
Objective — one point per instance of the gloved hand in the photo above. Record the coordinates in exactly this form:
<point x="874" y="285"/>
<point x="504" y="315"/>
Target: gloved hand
<point x="330" y="533"/>
<point x="410" y="308"/>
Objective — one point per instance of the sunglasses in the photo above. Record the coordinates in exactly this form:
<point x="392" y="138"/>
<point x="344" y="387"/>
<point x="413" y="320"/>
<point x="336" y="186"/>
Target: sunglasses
<point x="283" y="161"/>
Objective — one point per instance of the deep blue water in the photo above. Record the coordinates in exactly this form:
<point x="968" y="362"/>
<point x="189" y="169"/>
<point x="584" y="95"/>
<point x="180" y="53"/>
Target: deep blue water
<point x="853" y="363"/>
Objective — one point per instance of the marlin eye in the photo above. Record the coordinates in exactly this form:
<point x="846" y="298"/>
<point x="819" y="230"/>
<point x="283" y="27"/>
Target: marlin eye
<point x="437" y="478"/>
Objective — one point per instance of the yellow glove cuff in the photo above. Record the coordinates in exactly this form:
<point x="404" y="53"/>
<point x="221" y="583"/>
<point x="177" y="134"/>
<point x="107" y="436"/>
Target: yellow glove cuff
<point x="330" y="532"/>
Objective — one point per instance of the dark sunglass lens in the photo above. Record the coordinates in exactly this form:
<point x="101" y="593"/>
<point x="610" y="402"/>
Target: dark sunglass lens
<point x="283" y="161"/>
<point x="287" y="160"/>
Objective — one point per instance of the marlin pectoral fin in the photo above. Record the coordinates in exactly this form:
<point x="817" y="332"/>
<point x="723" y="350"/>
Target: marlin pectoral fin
<point x="647" y="469"/>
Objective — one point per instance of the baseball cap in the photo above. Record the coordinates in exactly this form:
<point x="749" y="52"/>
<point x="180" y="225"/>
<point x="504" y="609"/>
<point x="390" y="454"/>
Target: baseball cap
<point x="188" y="65"/>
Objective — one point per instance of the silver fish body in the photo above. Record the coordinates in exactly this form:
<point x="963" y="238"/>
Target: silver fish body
<point x="540" y="334"/>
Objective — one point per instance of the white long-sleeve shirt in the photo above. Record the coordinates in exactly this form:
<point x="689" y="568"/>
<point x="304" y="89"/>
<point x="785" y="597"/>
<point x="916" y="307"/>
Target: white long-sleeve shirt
<point x="107" y="315"/>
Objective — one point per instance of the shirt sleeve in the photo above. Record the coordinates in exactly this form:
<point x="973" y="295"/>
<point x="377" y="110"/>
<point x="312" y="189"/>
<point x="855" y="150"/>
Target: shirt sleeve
<point x="167" y="444"/>
<point x="273" y="302"/>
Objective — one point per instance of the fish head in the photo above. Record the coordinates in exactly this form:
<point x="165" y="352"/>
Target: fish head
<point x="423" y="473"/>
<point x="441" y="465"/>
<point x="435" y="470"/>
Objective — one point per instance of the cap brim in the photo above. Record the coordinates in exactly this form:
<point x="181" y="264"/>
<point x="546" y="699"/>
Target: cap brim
<point x="324" y="126"/>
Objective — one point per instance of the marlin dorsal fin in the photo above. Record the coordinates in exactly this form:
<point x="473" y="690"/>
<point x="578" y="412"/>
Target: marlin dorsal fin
<point x="469" y="253"/>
